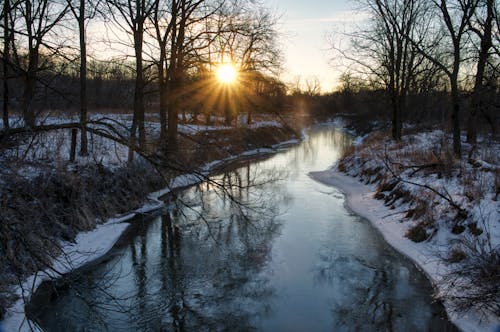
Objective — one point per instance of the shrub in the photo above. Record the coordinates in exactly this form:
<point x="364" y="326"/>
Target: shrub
<point x="477" y="276"/>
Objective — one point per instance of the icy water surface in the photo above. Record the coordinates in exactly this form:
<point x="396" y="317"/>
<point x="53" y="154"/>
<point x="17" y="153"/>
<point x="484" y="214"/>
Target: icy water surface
<point x="271" y="251"/>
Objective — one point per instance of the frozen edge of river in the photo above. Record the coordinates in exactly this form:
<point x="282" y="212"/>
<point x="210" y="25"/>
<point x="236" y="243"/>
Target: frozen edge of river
<point x="359" y="198"/>
<point x="92" y="245"/>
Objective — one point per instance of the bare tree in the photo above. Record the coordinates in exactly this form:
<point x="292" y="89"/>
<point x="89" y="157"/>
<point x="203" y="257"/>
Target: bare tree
<point x="185" y="14"/>
<point x="7" y="40"/>
<point x="39" y="18"/>
<point x="247" y="39"/>
<point x="83" y="11"/>
<point x="163" y="27"/>
<point x="312" y="86"/>
<point x="483" y="30"/>
<point x="455" y="16"/>
<point x="173" y="24"/>
<point x="398" y="19"/>
<point x="382" y="51"/>
<point x="131" y="16"/>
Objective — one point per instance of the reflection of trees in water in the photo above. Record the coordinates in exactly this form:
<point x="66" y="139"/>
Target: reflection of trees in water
<point x="378" y="294"/>
<point x="361" y="301"/>
<point x="196" y="268"/>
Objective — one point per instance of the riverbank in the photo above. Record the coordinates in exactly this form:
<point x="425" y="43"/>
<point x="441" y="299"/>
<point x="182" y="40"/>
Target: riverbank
<point x="227" y="265"/>
<point x="442" y="213"/>
<point x="98" y="237"/>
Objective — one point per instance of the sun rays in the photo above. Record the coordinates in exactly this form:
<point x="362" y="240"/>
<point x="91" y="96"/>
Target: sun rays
<point x="227" y="73"/>
<point x="225" y="91"/>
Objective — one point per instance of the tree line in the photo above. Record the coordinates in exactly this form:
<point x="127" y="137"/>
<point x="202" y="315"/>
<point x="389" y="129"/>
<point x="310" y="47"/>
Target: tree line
<point x="168" y="50"/>
<point x="448" y="48"/>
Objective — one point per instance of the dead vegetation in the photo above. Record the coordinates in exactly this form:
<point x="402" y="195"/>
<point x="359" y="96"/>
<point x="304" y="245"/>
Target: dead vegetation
<point x="45" y="200"/>
<point x="475" y="270"/>
<point x="437" y="192"/>
<point x="39" y="213"/>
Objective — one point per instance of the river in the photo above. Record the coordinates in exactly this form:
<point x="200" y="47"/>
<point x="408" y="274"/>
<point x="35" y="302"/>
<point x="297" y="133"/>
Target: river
<point x="262" y="247"/>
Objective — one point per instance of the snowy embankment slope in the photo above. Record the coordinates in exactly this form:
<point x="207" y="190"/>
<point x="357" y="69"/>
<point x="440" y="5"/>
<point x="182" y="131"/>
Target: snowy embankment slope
<point x="359" y="198"/>
<point x="394" y="213"/>
<point x="90" y="246"/>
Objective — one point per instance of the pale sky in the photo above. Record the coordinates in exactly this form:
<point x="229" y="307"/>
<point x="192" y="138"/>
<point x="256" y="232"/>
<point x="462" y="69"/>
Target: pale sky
<point x="305" y="25"/>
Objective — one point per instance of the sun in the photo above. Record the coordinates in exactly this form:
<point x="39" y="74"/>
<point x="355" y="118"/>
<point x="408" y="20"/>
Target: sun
<point x="227" y="73"/>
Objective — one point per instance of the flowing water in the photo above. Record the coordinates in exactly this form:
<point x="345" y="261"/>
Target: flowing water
<point x="262" y="247"/>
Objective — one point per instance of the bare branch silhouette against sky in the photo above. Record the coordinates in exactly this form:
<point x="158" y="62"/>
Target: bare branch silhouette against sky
<point x="305" y="25"/>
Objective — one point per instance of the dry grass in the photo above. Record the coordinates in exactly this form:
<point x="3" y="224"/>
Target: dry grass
<point x="441" y="191"/>
<point x="477" y="276"/>
<point x="38" y="213"/>
<point x="418" y="233"/>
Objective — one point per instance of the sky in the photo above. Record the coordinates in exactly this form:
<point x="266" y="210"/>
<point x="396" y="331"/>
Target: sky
<point x="304" y="27"/>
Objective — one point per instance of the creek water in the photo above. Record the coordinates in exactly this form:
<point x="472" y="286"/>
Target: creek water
<point x="261" y="247"/>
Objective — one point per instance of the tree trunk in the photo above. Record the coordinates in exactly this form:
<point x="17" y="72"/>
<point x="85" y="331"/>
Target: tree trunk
<point x="395" y="117"/>
<point x="477" y="95"/>
<point x="401" y="107"/>
<point x="6" y="34"/>
<point x="228" y="112"/>
<point x="163" y="100"/>
<point x="72" y="153"/>
<point x="31" y="73"/>
<point x="173" y="84"/>
<point x="29" y="91"/>
<point x="138" y="118"/>
<point x="173" y="115"/>
<point x="139" y="95"/>
<point x="133" y="132"/>
<point x="455" y="118"/>
<point x="83" y="81"/>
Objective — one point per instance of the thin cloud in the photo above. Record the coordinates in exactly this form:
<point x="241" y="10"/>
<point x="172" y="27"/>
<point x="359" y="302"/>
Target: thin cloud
<point x="348" y="16"/>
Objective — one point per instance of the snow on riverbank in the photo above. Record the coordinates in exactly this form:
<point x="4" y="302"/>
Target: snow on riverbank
<point x="397" y="206"/>
<point x="89" y="246"/>
<point x="52" y="148"/>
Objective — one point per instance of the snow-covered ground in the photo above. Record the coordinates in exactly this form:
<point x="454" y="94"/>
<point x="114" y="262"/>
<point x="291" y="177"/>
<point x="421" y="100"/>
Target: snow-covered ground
<point x="89" y="246"/>
<point x="471" y="183"/>
<point x="54" y="147"/>
<point x="152" y="121"/>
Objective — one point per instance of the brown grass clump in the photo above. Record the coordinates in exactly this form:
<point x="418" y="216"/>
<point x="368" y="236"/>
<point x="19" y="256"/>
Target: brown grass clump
<point x="375" y="138"/>
<point x="456" y="255"/>
<point x="417" y="233"/>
